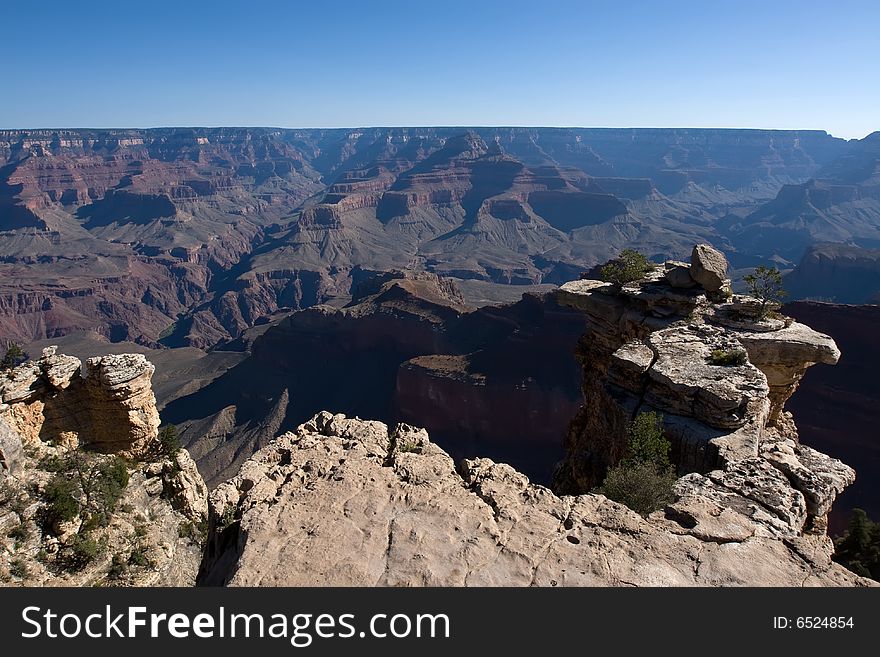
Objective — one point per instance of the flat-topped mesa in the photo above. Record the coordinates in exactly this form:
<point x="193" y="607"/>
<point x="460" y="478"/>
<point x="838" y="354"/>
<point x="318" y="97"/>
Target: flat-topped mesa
<point x="109" y="408"/>
<point x="658" y="344"/>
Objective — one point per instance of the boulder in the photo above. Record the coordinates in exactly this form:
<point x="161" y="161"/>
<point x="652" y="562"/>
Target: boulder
<point x="708" y="267"/>
<point x="678" y="274"/>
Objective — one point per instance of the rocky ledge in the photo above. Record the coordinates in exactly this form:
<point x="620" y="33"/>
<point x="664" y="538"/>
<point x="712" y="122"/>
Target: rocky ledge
<point x="89" y="495"/>
<point x="658" y="344"/>
<point x="345" y="501"/>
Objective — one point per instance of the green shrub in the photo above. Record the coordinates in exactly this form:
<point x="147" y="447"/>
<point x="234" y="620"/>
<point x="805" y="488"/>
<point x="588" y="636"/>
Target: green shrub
<point x="643" y="487"/>
<point x="728" y="357"/>
<point x="19" y="533"/>
<point x="644" y="479"/>
<point x="138" y="557"/>
<point x="52" y="463"/>
<point x="14" y="356"/>
<point x="169" y="440"/>
<point x="629" y="266"/>
<point x="118" y="567"/>
<point x="60" y="495"/>
<point x="84" y="549"/>
<point x="195" y="532"/>
<point x="18" y="568"/>
<point x="227" y="517"/>
<point x="859" y="547"/>
<point x="765" y="284"/>
<point x="646" y="440"/>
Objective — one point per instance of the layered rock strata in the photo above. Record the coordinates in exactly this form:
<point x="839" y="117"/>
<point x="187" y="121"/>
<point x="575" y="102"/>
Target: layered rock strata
<point x="108" y="405"/>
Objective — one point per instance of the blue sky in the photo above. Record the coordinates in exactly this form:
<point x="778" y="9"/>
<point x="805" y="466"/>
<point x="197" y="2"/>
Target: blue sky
<point x="710" y="63"/>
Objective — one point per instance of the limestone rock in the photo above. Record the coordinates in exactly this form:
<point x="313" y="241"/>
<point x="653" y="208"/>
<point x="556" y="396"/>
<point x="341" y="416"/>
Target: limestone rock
<point x="678" y="274"/>
<point x="819" y="477"/>
<point x="122" y="407"/>
<point x="59" y="369"/>
<point x="344" y="501"/>
<point x="726" y="423"/>
<point x="683" y="381"/>
<point x="708" y="267"/>
<point x="784" y="356"/>
<point x="21" y="383"/>
<point x="11" y="452"/>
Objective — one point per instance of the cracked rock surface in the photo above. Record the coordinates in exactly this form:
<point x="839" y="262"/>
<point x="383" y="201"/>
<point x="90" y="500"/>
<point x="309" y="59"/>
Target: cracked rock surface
<point x="344" y="501"/>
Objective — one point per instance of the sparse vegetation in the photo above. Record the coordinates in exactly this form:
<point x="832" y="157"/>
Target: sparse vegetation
<point x="194" y="532"/>
<point x="728" y="357"/>
<point x="644" y="479"/>
<point x="858" y="548"/>
<point x="52" y="463"/>
<point x="765" y="284"/>
<point x="227" y="517"/>
<point x="88" y="487"/>
<point x="20" y="533"/>
<point x="61" y="501"/>
<point x="629" y="266"/>
<point x="83" y="550"/>
<point x="118" y="567"/>
<point x="18" y="568"/>
<point x="169" y="440"/>
<point x="14" y="356"/>
<point x="408" y="447"/>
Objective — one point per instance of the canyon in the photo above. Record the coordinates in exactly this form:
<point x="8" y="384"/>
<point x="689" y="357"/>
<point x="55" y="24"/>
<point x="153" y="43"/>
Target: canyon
<point x="359" y="502"/>
<point x="362" y="502"/>
<point x="189" y="236"/>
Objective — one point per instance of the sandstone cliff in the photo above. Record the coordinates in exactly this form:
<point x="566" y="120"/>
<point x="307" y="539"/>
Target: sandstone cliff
<point x="88" y="494"/>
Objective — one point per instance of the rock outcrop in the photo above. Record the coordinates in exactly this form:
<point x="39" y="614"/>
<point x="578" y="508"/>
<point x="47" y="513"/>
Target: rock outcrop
<point x="653" y="347"/>
<point x="88" y="494"/>
<point x="344" y="501"/>
<point x="109" y="408"/>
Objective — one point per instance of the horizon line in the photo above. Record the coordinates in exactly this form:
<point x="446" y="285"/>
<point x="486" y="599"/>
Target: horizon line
<point x="429" y="126"/>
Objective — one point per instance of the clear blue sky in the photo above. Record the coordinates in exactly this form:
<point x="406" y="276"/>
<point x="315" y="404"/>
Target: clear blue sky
<point x="718" y="63"/>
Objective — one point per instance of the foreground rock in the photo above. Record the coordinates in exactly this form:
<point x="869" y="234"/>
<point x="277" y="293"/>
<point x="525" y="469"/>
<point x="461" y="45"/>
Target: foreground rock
<point x="88" y="495"/>
<point x="351" y="502"/>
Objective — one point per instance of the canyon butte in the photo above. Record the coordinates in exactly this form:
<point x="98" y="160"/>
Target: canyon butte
<point x="346" y="501"/>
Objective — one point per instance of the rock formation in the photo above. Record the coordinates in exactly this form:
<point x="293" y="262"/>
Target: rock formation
<point x="652" y="347"/>
<point x="349" y="502"/>
<point x="497" y="381"/>
<point x="88" y="494"/>
<point x="343" y="501"/>
<point x="109" y="408"/>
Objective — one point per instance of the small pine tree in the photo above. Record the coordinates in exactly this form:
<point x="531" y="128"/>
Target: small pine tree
<point x="15" y="355"/>
<point x="169" y="440"/>
<point x="859" y="547"/>
<point x="647" y="443"/>
<point x="765" y="284"/>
